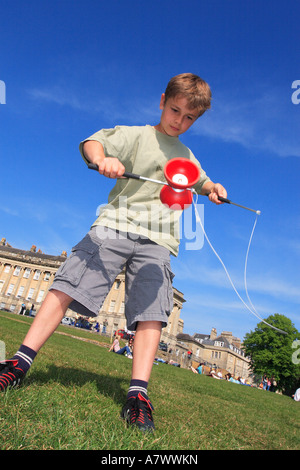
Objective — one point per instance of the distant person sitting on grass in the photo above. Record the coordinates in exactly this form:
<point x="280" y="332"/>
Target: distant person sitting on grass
<point x="198" y="369"/>
<point x="215" y="375"/>
<point x="296" y="396"/>
<point x="115" y="347"/>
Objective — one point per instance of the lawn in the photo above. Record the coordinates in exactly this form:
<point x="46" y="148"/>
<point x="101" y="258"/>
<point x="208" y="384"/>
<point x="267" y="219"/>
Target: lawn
<point x="72" y="397"/>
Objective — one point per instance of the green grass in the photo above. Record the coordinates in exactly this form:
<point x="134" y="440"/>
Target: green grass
<point x="72" y="396"/>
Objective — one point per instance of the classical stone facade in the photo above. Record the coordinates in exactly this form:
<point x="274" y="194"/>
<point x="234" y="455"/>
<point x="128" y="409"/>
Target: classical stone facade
<point x="25" y="277"/>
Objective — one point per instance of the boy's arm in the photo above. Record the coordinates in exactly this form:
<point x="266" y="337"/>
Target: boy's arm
<point x="213" y="190"/>
<point x="108" y="166"/>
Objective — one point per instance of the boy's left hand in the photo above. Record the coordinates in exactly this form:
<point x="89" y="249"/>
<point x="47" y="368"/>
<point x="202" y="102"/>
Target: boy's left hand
<point x="217" y="190"/>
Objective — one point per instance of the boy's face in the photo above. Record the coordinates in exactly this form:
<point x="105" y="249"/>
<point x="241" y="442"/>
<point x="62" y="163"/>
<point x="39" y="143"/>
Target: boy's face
<point x="176" y="117"/>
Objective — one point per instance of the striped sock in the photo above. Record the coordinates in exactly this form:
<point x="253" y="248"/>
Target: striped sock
<point x="25" y="357"/>
<point x="136" y="387"/>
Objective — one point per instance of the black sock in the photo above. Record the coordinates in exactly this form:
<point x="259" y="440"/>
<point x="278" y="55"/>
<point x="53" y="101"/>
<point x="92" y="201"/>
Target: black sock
<point x="136" y="387"/>
<point x="25" y="357"/>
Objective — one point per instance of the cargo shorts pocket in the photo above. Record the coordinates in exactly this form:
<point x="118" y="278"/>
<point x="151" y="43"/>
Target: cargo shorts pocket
<point x="169" y="276"/>
<point x="151" y="292"/>
<point x="73" y="268"/>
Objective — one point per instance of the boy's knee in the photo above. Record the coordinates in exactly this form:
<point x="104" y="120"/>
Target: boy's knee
<point x="149" y="325"/>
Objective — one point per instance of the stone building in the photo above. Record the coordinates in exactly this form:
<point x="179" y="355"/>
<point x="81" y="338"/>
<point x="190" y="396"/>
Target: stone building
<point x="25" y="277"/>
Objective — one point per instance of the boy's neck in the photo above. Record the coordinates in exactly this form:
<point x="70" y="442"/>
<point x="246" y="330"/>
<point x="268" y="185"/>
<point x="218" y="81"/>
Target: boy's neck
<point x="159" y="129"/>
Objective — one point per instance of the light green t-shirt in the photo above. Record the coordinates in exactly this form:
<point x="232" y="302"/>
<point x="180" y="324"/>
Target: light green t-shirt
<point x="134" y="205"/>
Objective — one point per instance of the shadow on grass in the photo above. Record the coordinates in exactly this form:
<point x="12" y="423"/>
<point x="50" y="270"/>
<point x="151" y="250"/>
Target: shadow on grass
<point x="107" y="385"/>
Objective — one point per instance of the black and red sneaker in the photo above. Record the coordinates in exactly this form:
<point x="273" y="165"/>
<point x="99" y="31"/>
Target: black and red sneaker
<point x="10" y="374"/>
<point x="128" y="412"/>
<point x="138" y="412"/>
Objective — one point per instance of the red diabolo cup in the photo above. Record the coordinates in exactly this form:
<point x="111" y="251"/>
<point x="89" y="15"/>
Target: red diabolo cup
<point x="176" y="199"/>
<point x="181" y="174"/>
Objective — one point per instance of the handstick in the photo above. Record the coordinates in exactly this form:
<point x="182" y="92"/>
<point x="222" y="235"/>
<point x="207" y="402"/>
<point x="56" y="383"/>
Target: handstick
<point x="93" y="166"/>
<point x="224" y="199"/>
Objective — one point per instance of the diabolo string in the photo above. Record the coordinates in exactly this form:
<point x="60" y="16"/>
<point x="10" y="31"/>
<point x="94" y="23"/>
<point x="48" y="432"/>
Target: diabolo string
<point x="252" y="310"/>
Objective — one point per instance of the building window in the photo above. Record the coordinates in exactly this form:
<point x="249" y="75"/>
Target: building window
<point x="122" y="308"/>
<point x="112" y="306"/>
<point x="30" y="294"/>
<point x="17" y="270"/>
<point x="117" y="284"/>
<point x="20" y="291"/>
<point x="47" y="276"/>
<point x="37" y="275"/>
<point x="26" y="273"/>
<point x="7" y="268"/>
<point x="1" y="285"/>
<point x="40" y="296"/>
<point x="10" y="289"/>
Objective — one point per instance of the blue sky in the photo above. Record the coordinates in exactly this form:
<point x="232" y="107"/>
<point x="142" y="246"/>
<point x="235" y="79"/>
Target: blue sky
<point x="71" y="68"/>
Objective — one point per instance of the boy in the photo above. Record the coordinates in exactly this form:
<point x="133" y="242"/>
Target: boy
<point x="125" y="234"/>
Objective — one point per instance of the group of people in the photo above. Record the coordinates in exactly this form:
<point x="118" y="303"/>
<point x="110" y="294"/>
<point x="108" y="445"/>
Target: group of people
<point x="25" y="311"/>
<point x="218" y="375"/>
<point x="126" y="350"/>
<point x="230" y="378"/>
<point x="266" y="383"/>
<point x="236" y="380"/>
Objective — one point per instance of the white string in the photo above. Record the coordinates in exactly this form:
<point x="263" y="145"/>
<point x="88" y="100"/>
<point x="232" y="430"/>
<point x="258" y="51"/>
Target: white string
<point x="254" y="312"/>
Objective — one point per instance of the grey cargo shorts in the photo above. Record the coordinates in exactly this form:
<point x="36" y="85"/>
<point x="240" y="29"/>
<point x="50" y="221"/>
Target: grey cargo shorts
<point x="89" y="273"/>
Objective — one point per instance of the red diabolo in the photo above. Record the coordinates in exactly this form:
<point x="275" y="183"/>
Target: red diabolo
<point x="181" y="174"/>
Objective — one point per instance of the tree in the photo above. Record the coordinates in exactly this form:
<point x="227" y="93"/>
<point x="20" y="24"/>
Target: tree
<point x="273" y="353"/>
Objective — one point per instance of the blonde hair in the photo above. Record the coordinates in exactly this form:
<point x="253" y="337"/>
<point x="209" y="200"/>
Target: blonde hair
<point x="196" y="91"/>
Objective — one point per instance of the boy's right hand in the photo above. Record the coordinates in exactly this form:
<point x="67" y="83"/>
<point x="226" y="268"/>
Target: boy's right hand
<point x="111" y="167"/>
<point x="108" y="166"/>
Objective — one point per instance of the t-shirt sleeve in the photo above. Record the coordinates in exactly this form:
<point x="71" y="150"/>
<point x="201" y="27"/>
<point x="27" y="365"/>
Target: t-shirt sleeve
<point x="116" y="143"/>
